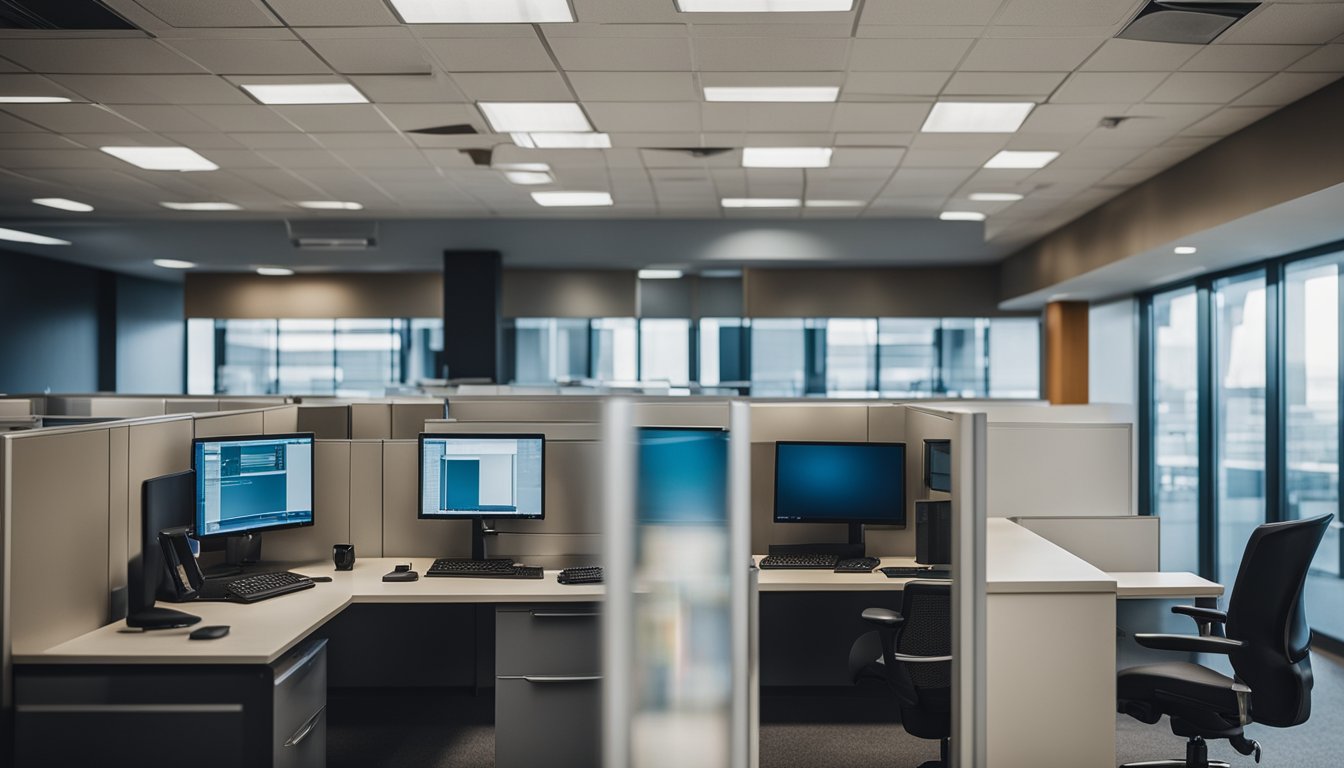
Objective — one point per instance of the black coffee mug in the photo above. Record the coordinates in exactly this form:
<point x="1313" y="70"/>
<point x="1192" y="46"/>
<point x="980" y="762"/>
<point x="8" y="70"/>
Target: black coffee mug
<point x="344" y="556"/>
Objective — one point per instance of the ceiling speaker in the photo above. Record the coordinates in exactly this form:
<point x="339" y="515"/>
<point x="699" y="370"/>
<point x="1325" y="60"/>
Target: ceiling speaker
<point x="1189" y="23"/>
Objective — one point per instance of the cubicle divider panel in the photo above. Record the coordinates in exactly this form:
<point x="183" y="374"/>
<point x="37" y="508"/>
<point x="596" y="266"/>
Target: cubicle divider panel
<point x="552" y="430"/>
<point x="156" y="448"/>
<point x="327" y="422"/>
<point x="919" y="424"/>
<point x="690" y="413"/>
<point x="583" y="409"/>
<point x="125" y="407"/>
<point x="408" y="419"/>
<point x="970" y="484"/>
<point x="404" y="534"/>
<point x="1061" y="469"/>
<point x="5" y="623"/>
<point x="228" y="424"/>
<point x="190" y="405"/>
<point x="366" y="497"/>
<point x="331" y="510"/>
<point x="370" y="421"/>
<point x="118" y="516"/>
<point x="280" y="420"/>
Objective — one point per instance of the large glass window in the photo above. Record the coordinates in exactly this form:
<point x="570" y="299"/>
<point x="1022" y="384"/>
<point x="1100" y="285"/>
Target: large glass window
<point x="723" y="347"/>
<point x="963" y="359"/>
<point x="368" y="354"/>
<point x="778" y="358"/>
<point x="549" y="350"/>
<point x="851" y="363"/>
<point x="1015" y="357"/>
<point x="1176" y="427"/>
<point x="908" y="356"/>
<point x="308" y="357"/>
<point x="251" y="362"/>
<point x="665" y="351"/>
<point x="1239" y="382"/>
<point x="615" y="349"/>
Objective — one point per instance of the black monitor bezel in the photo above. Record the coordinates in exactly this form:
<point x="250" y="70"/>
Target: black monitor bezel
<point x="905" y="493"/>
<point x="928" y="469"/>
<point x="312" y="479"/>
<point x="420" y="472"/>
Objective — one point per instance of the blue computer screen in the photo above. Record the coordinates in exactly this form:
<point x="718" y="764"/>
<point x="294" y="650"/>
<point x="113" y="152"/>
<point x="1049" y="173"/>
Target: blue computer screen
<point x="246" y="484"/>
<point x="683" y="475"/>
<point x="487" y="476"/>
<point x="840" y="483"/>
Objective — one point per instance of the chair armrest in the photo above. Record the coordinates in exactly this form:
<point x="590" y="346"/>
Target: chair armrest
<point x="883" y="617"/>
<point x="1205" y="618"/>
<point x="1188" y="643"/>
<point x="906" y="658"/>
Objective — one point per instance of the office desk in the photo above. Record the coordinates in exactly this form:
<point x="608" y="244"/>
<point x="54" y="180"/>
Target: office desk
<point x="1139" y="585"/>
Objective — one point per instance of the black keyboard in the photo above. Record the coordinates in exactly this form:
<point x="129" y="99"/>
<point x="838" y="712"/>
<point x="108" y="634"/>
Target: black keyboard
<point x="527" y="572"/>
<point x="917" y="572"/>
<point x="590" y="574"/>
<point x="857" y="565"/>
<point x="818" y="561"/>
<point x="497" y="568"/>
<point x="260" y="586"/>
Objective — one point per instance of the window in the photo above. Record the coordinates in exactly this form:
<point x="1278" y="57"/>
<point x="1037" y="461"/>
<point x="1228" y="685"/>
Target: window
<point x="615" y="349"/>
<point x="777" y="358"/>
<point x="851" y="362"/>
<point x="548" y="350"/>
<point x="1175" y="427"/>
<point x="723" y="347"/>
<point x="251" y="362"/>
<point x="665" y="351"/>
<point x="307" y="357"/>
<point x="368" y="355"/>
<point x="908" y="356"/>
<point x="1015" y="357"/>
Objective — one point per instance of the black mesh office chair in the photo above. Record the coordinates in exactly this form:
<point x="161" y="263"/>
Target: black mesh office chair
<point x="912" y="652"/>
<point x="1267" y="640"/>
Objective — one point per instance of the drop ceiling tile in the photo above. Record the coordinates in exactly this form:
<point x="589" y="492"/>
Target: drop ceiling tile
<point x="434" y="87"/>
<point x="860" y="86"/>
<point x="105" y="56"/>
<point x="766" y="117"/>
<point x="300" y="158"/>
<point x="1104" y="159"/>
<point x="324" y="13"/>
<point x="975" y="141"/>
<point x="237" y="158"/>
<point x="203" y="140"/>
<point x="1327" y="58"/>
<point x="458" y="141"/>
<point x="634" y="86"/>
<point x="249" y="118"/>
<point x="414" y="117"/>
<point x="1107" y="87"/>
<point x="375" y="160"/>
<point x="925" y="12"/>
<point x="36" y="141"/>
<point x="1227" y="121"/>
<point x="970" y="159"/>
<point x="644" y="116"/>
<point x="1069" y="118"/>
<point x="1205" y="87"/>
<point x="1026" y="84"/>
<point x="1288" y="23"/>
<point x="1139" y="56"/>
<point x="513" y="86"/>
<point x="215" y="13"/>
<point x="615" y="54"/>
<point x="71" y="118"/>
<point x="336" y="118"/>
<point x="925" y="181"/>
<point x="154" y="89"/>
<point x="383" y="140"/>
<point x="861" y="117"/>
<point x="163" y="117"/>
<point x="290" y="140"/>
<point x="56" y="158"/>
<point x="1029" y="54"/>
<point x="35" y="85"/>
<point x="748" y="54"/>
<point x="503" y="54"/>
<point x="1246" y="58"/>
<point x="1285" y="88"/>
<point x="914" y="55"/>
<point x="251" y="57"/>
<point x="8" y="66"/>
<point x="873" y="139"/>
<point x="1063" y="13"/>
<point x="390" y="55"/>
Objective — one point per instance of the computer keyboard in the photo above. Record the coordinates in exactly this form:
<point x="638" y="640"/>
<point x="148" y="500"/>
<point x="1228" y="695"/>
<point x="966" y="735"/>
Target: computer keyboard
<point x="260" y="586"/>
<point x="526" y="572"/>
<point x="857" y="565"/>
<point x="446" y="566"/>
<point x="818" y="561"/>
<point x="917" y="572"/>
<point x="590" y="574"/>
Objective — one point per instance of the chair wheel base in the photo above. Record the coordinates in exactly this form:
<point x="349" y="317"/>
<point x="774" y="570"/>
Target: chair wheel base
<point x="1173" y="764"/>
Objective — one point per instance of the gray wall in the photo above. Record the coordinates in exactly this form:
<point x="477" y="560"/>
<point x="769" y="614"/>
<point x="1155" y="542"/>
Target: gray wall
<point x="151" y="336"/>
<point x="48" y="325"/>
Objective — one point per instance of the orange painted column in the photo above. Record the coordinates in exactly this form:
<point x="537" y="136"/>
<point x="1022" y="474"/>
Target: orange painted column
<point x="1066" y="352"/>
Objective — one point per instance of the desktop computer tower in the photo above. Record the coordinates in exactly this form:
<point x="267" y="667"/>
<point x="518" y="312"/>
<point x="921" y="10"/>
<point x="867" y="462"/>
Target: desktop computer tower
<point x="933" y="532"/>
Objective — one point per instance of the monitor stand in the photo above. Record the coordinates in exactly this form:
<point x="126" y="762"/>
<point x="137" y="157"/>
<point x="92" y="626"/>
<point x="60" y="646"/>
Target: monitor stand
<point x="239" y="551"/>
<point x="479" y="530"/>
<point x="854" y="547"/>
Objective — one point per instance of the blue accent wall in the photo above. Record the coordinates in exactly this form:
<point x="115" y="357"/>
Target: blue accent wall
<point x="49" y="325"/>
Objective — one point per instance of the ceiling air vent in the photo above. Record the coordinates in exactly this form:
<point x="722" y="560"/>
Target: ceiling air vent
<point x="1190" y="23"/>
<point x="59" y="14"/>
<point x="333" y="235"/>
<point x="457" y="129"/>
<point x="695" y="151"/>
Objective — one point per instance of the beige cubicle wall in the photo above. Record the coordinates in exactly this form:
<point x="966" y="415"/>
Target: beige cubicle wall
<point x="1061" y="469"/>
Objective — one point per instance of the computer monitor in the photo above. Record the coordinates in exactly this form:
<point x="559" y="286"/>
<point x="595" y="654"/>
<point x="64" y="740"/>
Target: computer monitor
<point x="853" y="483"/>
<point x="683" y="475"/>
<point x="938" y="465"/>
<point x="482" y="477"/>
<point x="252" y="483"/>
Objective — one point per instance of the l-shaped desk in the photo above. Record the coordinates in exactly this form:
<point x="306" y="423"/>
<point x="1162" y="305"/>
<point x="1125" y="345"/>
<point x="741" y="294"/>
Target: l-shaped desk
<point x="258" y="695"/>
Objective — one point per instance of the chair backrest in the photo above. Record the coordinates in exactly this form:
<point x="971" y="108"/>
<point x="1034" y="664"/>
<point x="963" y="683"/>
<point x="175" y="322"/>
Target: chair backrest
<point x="927" y="631"/>
<point x="1266" y="613"/>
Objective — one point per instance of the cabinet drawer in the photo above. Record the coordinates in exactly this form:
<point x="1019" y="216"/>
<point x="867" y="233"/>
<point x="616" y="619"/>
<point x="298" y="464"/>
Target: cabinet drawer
<point x="550" y="721"/>
<point x="300" y="697"/>
<point x="552" y="640"/>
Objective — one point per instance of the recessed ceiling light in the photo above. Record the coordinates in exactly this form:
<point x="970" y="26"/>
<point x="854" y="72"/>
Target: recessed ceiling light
<point x="764" y="6"/>
<point x="721" y="273"/>
<point x="1185" y="250"/>
<point x="202" y="206"/>
<point x="995" y="197"/>
<point x="162" y="158"/>
<point x="16" y="236"/>
<point x="483" y="11"/>
<point x="760" y="202"/>
<point x="530" y="116"/>
<point x="174" y="264"/>
<point x="306" y="93"/>
<point x="786" y="157"/>
<point x="34" y="100"/>
<point x="330" y="205"/>
<point x="821" y="93"/>
<point x="1010" y="158"/>
<point x="274" y="271"/>
<point x="63" y="204"/>
<point x="529" y="178"/>
<point x="660" y="274"/>
<point x="1059" y="297"/>
<point x="961" y="216"/>
<point x="835" y="203"/>
<point x="572" y="199"/>
<point x="548" y="140"/>
<point x="977" y="116"/>
<point x="537" y="167"/>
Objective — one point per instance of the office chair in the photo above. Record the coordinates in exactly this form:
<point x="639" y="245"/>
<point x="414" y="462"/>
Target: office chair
<point x="1267" y="641"/>
<point x="912" y="652"/>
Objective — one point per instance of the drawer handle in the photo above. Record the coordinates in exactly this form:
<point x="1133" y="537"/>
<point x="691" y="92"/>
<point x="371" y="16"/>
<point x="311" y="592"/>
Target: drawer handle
<point x="564" y="614"/>
<point x="307" y="728"/>
<point x="562" y="678"/>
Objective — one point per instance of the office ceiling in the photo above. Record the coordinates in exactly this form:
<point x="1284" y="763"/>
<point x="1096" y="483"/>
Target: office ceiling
<point x="637" y="67"/>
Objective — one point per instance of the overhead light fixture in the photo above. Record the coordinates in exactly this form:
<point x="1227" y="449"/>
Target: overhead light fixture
<point x="786" y="157"/>
<point x="274" y="271"/>
<point x="17" y="236"/>
<point x="764" y="6"/>
<point x="835" y="203"/>
<point x="483" y="11"/>
<point x="820" y="93"/>
<point x="995" y="197"/>
<point x="961" y="216"/>
<point x="330" y="205"/>
<point x="202" y="206"/>
<point x="760" y="202"/>
<point x="1010" y="158"/>
<point x="660" y="274"/>
<point x="305" y="93"/>
<point x="162" y="158"/>
<point x="34" y="100"/>
<point x="1185" y="250"/>
<point x="174" y="264"/>
<point x="977" y="116"/>
<point x="63" y="204"/>
<point x="535" y="167"/>
<point x="549" y="140"/>
<point x="572" y="199"/>
<point x="721" y="273"/>
<point x="530" y="116"/>
<point x="529" y="178"/>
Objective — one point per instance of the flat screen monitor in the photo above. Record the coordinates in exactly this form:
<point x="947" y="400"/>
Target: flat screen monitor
<point x="683" y="475"/>
<point x="482" y="476"/>
<point x="252" y="483"/>
<point x="938" y="465"/>
<point x="840" y="483"/>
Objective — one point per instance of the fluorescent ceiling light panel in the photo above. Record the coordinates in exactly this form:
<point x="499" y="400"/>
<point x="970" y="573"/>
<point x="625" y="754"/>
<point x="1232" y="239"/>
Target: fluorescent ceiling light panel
<point x="1185" y="250"/>
<point x="529" y="178"/>
<point x="330" y="205"/>
<point x="562" y="140"/>
<point x="34" y="100"/>
<point x="17" y="236"/>
<point x="995" y="197"/>
<point x="835" y="203"/>
<point x="961" y="216"/>
<point x="764" y="6"/>
<point x="174" y="264"/>
<point x="532" y="116"/>
<point x="786" y="157"/>
<point x="483" y="11"/>
<point x="820" y="93"/>
<point x="721" y="273"/>
<point x="660" y="274"/>
<point x="63" y="204"/>
<point x="274" y="271"/>
<point x="572" y="199"/>
<point x="162" y="158"/>
<point x="311" y="93"/>
<point x="977" y="116"/>
<point x="201" y="206"/>
<point x="535" y="167"/>
<point x="1009" y="158"/>
<point x="760" y="202"/>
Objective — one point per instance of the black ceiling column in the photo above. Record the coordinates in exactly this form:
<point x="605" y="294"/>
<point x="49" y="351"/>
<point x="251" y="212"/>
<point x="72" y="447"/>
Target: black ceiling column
<point x="472" y="314"/>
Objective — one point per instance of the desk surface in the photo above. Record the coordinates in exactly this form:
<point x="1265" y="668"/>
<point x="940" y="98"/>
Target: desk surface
<point x="1158" y="584"/>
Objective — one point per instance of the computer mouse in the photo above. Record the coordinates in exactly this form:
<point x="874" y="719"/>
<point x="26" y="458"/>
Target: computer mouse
<point x="210" y="633"/>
